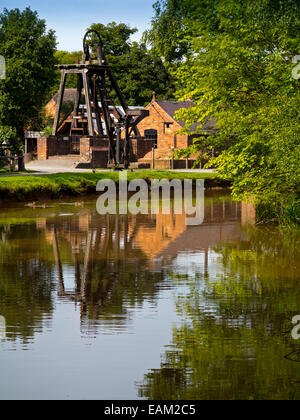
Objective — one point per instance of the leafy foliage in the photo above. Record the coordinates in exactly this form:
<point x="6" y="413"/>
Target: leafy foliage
<point x="65" y="57"/>
<point x="169" y="36"/>
<point x="138" y="71"/>
<point x="29" y="52"/>
<point x="238" y="69"/>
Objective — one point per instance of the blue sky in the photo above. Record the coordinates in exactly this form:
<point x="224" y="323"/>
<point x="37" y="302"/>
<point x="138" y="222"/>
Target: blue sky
<point x="70" y="18"/>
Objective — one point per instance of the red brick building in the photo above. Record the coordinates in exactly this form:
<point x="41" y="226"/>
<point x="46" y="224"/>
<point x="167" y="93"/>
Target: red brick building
<point x="160" y="130"/>
<point x="163" y="126"/>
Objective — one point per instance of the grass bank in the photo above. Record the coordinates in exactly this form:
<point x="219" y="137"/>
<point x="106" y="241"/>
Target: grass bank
<point x="44" y="187"/>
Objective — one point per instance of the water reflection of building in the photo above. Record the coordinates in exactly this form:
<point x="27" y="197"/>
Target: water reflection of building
<point x="101" y="245"/>
<point x="153" y="237"/>
<point x="169" y="234"/>
<point x="124" y="237"/>
<point x="104" y="262"/>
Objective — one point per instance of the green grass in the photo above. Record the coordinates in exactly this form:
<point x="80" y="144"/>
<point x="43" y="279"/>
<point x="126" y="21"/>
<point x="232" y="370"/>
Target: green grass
<point x="44" y="187"/>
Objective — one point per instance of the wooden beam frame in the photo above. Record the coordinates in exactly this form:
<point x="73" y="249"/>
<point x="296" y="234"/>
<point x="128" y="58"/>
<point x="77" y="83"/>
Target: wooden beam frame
<point x="93" y="77"/>
<point x="86" y="86"/>
<point x="77" y="100"/>
<point x="59" y="103"/>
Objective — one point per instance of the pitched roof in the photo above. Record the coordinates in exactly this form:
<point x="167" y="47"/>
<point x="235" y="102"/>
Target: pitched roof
<point x="69" y="95"/>
<point x="171" y="107"/>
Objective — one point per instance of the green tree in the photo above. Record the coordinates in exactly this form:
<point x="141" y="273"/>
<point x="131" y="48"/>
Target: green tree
<point x="138" y="71"/>
<point x="65" y="57"/>
<point x="115" y="37"/>
<point x="29" y="52"/>
<point x="238" y="69"/>
<point x="169" y="36"/>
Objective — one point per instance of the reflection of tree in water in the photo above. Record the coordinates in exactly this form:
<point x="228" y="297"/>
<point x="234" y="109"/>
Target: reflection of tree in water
<point x="236" y="326"/>
<point x="110" y="261"/>
<point x="26" y="282"/>
<point x="98" y="255"/>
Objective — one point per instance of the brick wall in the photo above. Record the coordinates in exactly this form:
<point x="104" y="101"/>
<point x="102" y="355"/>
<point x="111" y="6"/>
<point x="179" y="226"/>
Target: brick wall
<point x="51" y="109"/>
<point x="42" y="148"/>
<point x="92" y="149"/>
<point x="169" y="164"/>
<point x="53" y="146"/>
<point x="85" y="150"/>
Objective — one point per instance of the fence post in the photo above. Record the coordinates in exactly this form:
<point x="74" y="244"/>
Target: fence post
<point x="153" y="158"/>
<point x="11" y="163"/>
<point x="172" y="158"/>
<point x="21" y="166"/>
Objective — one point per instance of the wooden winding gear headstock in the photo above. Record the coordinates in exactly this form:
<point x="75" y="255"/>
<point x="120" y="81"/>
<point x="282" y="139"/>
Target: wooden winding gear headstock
<point x="100" y="117"/>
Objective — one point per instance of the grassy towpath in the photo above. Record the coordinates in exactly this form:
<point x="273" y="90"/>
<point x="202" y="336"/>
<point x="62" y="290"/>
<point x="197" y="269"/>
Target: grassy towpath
<point x="54" y="186"/>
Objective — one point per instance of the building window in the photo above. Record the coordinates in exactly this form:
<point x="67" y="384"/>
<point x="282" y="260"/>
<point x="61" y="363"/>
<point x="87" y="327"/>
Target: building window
<point x="167" y="128"/>
<point x="152" y="135"/>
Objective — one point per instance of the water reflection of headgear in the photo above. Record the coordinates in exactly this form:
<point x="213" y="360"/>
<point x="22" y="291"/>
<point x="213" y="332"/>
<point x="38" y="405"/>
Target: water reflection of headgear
<point x="2" y="328"/>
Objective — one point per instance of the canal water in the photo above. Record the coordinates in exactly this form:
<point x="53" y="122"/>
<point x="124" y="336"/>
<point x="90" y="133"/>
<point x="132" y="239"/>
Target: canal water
<point x="145" y="307"/>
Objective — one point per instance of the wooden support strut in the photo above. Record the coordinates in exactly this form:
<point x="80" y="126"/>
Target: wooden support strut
<point x="59" y="103"/>
<point x="77" y="100"/>
<point x="86" y="86"/>
<point x="58" y="263"/>
<point x="86" y="267"/>
<point x="96" y="108"/>
<point x="126" y="143"/>
<point x="93" y="77"/>
<point x="107" y="118"/>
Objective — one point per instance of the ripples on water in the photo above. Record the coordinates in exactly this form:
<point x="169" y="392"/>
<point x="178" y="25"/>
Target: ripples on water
<point x="116" y="307"/>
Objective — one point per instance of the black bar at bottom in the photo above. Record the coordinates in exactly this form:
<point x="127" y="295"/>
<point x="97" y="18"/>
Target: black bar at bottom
<point x="140" y="408"/>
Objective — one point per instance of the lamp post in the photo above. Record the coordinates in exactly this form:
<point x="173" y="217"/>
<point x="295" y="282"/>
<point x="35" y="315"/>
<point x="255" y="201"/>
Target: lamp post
<point x="5" y="147"/>
<point x="5" y="144"/>
<point x="7" y="154"/>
